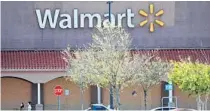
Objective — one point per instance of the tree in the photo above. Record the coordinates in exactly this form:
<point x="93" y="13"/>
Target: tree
<point x="150" y="71"/>
<point x="76" y="70"/>
<point x="111" y="58"/>
<point x="105" y="62"/>
<point x="194" y="78"/>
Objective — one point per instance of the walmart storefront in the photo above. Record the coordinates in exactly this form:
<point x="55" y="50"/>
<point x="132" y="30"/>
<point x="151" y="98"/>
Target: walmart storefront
<point x="34" y="34"/>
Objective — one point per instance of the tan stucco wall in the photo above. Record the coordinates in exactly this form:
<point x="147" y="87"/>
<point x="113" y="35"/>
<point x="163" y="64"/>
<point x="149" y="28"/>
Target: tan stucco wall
<point x="184" y="100"/>
<point x="72" y="101"/>
<point x="130" y="102"/>
<point x="13" y="92"/>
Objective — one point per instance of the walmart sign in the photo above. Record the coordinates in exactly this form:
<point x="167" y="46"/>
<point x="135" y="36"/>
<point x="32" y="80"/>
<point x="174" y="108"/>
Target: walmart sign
<point x="65" y="21"/>
<point x="126" y="14"/>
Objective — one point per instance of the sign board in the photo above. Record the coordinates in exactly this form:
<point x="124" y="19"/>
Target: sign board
<point x="69" y="15"/>
<point x="168" y="87"/>
<point x="67" y="92"/>
<point x="58" y="90"/>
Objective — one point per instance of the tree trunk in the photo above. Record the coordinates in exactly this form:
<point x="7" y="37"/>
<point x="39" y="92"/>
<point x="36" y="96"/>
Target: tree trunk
<point x="115" y="97"/>
<point x="81" y="98"/>
<point x="111" y="97"/>
<point x="200" y="105"/>
<point x="81" y="90"/>
<point x="118" y="98"/>
<point x="206" y="101"/>
<point x="145" y="99"/>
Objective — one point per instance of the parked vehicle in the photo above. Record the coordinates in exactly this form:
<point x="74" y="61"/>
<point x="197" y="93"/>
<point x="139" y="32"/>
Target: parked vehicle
<point x="98" y="107"/>
<point x="164" y="109"/>
<point x="184" y="109"/>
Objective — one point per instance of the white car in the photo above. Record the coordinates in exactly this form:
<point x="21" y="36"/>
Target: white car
<point x="184" y="109"/>
<point x="164" y="109"/>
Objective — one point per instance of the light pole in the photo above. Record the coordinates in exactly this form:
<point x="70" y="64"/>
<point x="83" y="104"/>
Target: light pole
<point x="111" y="91"/>
<point x="81" y="90"/>
<point x="109" y="2"/>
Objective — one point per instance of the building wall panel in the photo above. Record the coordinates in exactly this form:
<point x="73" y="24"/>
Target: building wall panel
<point x="130" y="102"/>
<point x="186" y="25"/>
<point x="72" y="101"/>
<point x="13" y="92"/>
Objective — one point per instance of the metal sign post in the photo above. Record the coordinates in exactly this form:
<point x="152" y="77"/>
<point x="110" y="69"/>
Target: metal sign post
<point x="174" y="97"/>
<point x="170" y="94"/>
<point x="59" y="105"/>
<point x="169" y="88"/>
<point x="58" y="91"/>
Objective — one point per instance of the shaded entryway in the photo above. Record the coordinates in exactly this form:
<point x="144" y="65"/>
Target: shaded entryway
<point x="13" y="92"/>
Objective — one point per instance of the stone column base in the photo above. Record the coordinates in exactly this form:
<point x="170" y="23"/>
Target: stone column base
<point x="39" y="107"/>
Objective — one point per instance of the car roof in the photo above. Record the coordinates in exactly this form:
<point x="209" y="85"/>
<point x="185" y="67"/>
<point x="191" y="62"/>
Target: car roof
<point x="97" y="104"/>
<point x="164" y="107"/>
<point x="185" y="109"/>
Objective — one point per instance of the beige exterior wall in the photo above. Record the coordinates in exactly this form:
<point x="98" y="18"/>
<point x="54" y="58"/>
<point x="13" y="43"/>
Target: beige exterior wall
<point x="130" y="102"/>
<point x="72" y="101"/>
<point x="184" y="100"/>
<point x="13" y="92"/>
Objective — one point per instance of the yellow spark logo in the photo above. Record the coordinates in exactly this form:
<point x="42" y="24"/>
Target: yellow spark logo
<point x="150" y="16"/>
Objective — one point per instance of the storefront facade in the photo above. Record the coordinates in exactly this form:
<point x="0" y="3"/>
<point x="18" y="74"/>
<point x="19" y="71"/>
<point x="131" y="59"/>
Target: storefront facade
<point x="32" y="63"/>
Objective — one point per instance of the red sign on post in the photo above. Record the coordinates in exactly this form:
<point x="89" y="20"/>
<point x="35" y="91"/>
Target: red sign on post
<point x="58" y="90"/>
